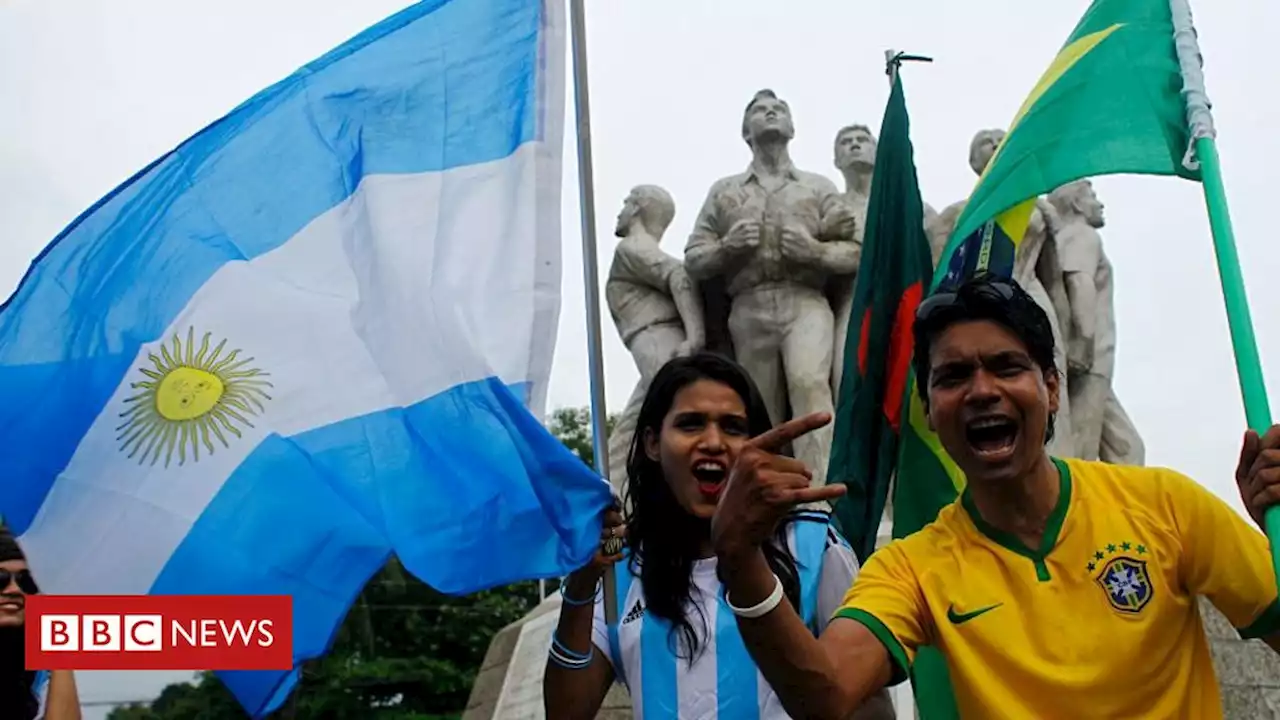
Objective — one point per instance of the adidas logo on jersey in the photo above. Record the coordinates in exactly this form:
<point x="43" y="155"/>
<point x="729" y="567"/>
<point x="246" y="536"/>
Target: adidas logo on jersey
<point x="634" y="614"/>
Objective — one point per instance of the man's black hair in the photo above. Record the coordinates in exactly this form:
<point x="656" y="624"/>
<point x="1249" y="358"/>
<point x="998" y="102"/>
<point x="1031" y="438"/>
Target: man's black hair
<point x="984" y="297"/>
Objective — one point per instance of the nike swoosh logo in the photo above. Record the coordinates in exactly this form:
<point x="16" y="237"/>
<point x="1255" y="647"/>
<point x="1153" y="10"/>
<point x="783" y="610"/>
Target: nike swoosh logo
<point x="961" y="618"/>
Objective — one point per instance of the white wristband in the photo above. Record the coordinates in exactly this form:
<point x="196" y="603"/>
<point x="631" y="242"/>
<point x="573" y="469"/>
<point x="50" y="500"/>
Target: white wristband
<point x="765" y="607"/>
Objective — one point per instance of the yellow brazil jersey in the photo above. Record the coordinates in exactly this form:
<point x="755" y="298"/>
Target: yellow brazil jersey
<point x="1101" y="621"/>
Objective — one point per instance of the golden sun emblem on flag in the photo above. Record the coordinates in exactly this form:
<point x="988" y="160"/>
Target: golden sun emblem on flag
<point x="190" y="398"/>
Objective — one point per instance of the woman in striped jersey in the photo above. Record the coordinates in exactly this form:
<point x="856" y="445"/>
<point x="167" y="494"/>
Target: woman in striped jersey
<point x="675" y="645"/>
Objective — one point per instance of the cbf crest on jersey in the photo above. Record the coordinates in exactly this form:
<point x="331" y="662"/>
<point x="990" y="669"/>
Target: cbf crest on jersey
<point x="1127" y="584"/>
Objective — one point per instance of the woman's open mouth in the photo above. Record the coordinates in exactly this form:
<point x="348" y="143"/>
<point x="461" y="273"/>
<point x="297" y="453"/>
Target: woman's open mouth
<point x="710" y="476"/>
<point x="992" y="437"/>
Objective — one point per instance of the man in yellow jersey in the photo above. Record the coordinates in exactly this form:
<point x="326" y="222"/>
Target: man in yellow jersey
<point x="1054" y="589"/>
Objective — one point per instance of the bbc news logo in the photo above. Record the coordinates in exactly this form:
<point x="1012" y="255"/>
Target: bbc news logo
<point x="159" y="632"/>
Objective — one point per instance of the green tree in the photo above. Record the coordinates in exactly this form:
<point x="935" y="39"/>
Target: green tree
<point x="573" y="428"/>
<point x="404" y="651"/>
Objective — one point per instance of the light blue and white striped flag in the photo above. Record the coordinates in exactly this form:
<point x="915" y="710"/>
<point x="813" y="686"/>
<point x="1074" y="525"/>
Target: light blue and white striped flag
<point x="316" y="333"/>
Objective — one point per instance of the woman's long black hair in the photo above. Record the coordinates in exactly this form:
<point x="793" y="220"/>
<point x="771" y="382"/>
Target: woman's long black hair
<point x="17" y="700"/>
<point x="16" y="697"/>
<point x="663" y="537"/>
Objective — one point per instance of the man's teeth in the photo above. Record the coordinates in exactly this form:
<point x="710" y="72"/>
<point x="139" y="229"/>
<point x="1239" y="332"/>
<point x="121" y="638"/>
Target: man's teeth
<point x="709" y="467"/>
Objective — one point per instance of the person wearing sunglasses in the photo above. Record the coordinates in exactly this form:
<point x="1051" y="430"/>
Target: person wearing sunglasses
<point x="26" y="694"/>
<point x="1054" y="588"/>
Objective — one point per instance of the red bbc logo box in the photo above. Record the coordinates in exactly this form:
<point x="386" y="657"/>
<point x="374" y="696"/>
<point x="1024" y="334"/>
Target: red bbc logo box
<point x="159" y="632"/>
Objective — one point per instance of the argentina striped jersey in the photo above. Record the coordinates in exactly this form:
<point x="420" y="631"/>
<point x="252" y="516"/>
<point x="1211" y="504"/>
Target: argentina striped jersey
<point x="722" y="683"/>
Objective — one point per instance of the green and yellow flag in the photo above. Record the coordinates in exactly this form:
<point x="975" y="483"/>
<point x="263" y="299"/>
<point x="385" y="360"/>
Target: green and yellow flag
<point x="1111" y="102"/>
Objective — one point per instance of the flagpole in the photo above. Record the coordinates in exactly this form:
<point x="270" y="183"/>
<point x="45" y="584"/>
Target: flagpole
<point x="1248" y="362"/>
<point x="1253" y="388"/>
<point x="1202" y="155"/>
<point x="590" y="266"/>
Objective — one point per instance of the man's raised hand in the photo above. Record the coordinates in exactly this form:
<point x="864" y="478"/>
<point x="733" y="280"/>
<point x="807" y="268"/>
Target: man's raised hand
<point x="764" y="486"/>
<point x="1258" y="473"/>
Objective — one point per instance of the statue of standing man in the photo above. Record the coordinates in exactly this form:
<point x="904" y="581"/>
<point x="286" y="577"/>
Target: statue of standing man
<point x="775" y="235"/>
<point x="855" y="157"/>
<point x="1103" y="431"/>
<point x="654" y="305"/>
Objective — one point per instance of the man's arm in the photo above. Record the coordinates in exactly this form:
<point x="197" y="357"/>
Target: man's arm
<point x="838" y="250"/>
<point x="1082" y="292"/>
<point x="826" y="677"/>
<point x="1079" y="250"/>
<point x="703" y="256"/>
<point x="1222" y="557"/>
<point x="835" y="257"/>
<point x="830" y="676"/>
<point x="841" y="257"/>
<point x="1258" y="478"/>
<point x="838" y="573"/>
<point x="689" y="304"/>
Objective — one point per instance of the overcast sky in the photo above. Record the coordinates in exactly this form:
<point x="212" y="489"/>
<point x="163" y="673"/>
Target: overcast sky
<point x="93" y="90"/>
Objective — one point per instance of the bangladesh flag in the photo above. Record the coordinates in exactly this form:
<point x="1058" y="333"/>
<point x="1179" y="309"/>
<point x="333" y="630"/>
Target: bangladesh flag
<point x="1111" y="102"/>
<point x="896" y="266"/>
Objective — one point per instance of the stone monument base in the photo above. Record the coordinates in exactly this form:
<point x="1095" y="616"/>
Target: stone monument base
<point x="1248" y="671"/>
<point x="509" y="686"/>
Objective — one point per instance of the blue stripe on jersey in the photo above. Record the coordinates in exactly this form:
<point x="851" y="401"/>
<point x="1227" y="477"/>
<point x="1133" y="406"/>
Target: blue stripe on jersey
<point x="660" y="698"/>
<point x="737" y="677"/>
<point x="737" y="681"/>
<point x="811" y="545"/>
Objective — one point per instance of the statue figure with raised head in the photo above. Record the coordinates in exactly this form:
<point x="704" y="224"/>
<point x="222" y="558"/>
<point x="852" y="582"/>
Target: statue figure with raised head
<point x="1103" y="431"/>
<point x="981" y="150"/>
<point x="855" y="158"/>
<point x="1038" y="269"/>
<point x="774" y="236"/>
<point x="654" y="304"/>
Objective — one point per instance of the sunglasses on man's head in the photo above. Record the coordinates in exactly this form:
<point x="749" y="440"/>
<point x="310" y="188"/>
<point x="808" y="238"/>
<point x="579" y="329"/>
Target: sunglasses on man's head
<point x="996" y="290"/>
<point x="25" y="582"/>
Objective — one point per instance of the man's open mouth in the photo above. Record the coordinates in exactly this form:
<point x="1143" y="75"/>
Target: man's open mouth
<point x="991" y="437"/>
<point x="710" y="476"/>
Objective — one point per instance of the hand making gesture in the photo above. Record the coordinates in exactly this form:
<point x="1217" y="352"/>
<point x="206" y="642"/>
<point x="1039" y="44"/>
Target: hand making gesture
<point x="764" y="486"/>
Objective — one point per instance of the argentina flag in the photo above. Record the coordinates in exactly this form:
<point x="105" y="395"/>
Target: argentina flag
<point x="316" y="333"/>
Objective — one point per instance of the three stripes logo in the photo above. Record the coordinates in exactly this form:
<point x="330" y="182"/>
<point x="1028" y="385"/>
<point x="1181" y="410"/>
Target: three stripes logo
<point x="634" y="613"/>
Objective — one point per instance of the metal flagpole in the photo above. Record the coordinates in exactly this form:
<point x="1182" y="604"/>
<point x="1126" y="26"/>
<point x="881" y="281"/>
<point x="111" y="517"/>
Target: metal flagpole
<point x="1203" y="155"/>
<point x="590" y="271"/>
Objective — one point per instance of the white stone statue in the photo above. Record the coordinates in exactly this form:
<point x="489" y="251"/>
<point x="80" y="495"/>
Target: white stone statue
<point x="1037" y="268"/>
<point x="774" y="236"/>
<point x="654" y="304"/>
<point x="1103" y="431"/>
<point x="855" y="158"/>
<point x="981" y="150"/>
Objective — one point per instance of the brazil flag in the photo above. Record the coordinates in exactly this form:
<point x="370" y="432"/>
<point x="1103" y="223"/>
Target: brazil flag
<point x="1110" y="102"/>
